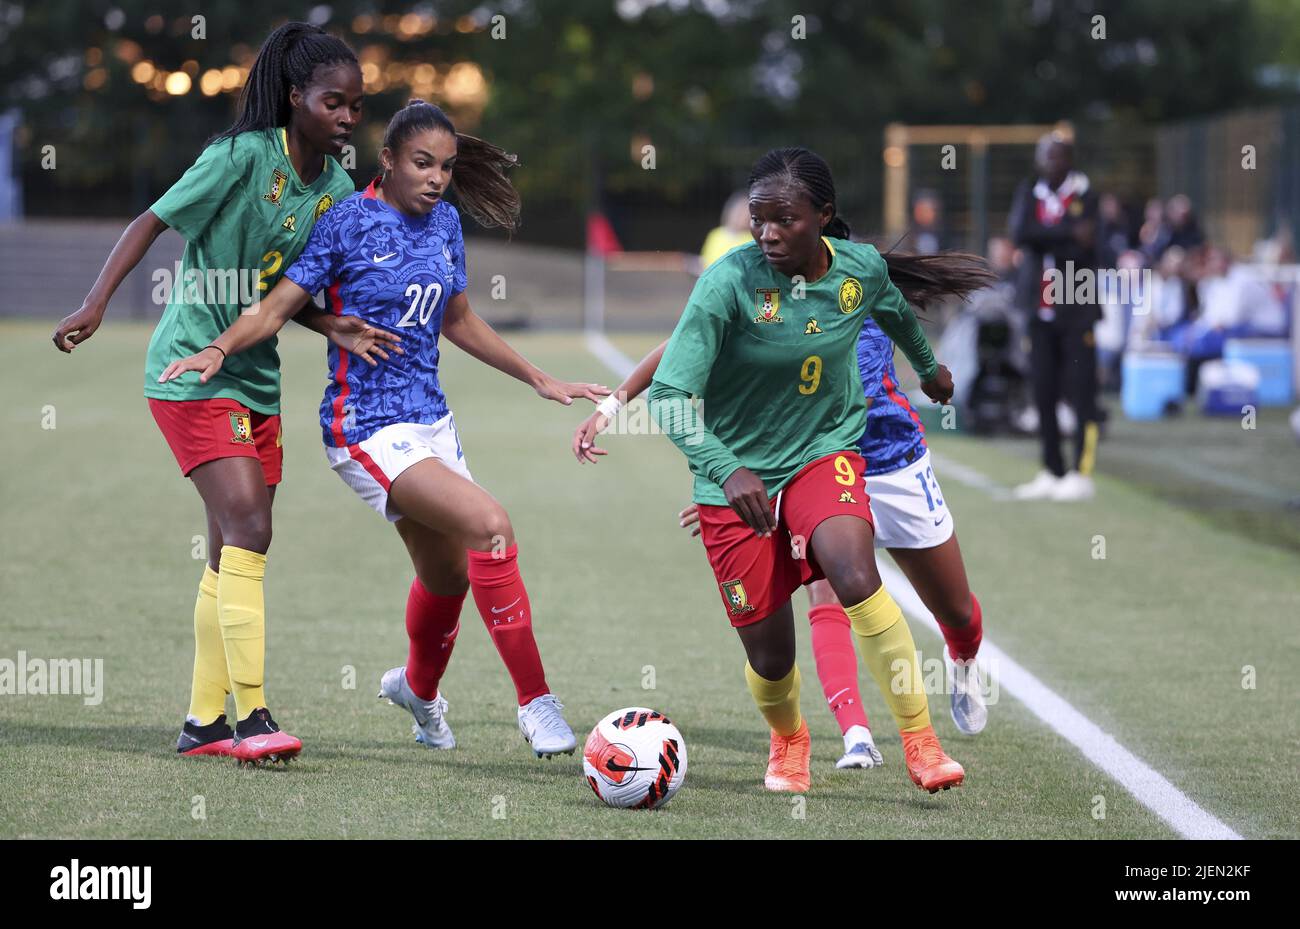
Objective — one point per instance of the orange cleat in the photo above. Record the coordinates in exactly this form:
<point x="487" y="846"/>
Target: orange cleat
<point x="790" y="761"/>
<point x="927" y="765"/>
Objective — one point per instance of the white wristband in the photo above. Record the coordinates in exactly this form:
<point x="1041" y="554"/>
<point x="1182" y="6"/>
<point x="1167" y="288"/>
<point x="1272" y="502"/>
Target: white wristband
<point x="609" y="407"/>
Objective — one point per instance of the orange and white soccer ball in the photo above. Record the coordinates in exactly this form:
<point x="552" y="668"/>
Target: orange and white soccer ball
<point x="635" y="759"/>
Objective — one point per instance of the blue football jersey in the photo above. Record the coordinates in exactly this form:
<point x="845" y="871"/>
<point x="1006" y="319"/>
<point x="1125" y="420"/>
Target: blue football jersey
<point x="396" y="273"/>
<point x="894" y="437"/>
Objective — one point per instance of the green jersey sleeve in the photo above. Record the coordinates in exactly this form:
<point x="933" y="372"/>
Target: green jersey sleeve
<point x="681" y="422"/>
<point x="195" y="200"/>
<point x="895" y="318"/>
<point x="697" y="339"/>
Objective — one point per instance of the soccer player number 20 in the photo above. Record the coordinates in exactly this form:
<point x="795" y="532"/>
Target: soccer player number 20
<point x="424" y="300"/>
<point x="810" y="374"/>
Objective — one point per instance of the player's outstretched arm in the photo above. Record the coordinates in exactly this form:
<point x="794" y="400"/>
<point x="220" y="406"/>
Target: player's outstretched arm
<point x="584" y="437"/>
<point x="890" y="311"/>
<point x="349" y="333"/>
<point x="471" y="334"/>
<point x="126" y="254"/>
<point x="255" y="325"/>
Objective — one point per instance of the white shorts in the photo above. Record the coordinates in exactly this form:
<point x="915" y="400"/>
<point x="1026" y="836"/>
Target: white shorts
<point x="371" y="466"/>
<point x="908" y="507"/>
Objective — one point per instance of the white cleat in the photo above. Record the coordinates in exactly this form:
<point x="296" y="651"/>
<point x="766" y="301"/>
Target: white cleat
<point x="544" y="728"/>
<point x="1074" y="486"/>
<point x="1042" y="487"/>
<point x="966" y="695"/>
<point x="860" y="750"/>
<point x="430" y="726"/>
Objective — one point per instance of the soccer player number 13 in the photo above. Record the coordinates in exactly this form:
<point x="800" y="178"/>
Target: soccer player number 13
<point x="810" y="374"/>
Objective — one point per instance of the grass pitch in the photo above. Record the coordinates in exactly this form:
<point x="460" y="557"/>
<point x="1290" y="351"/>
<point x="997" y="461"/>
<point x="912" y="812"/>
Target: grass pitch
<point x="97" y="561"/>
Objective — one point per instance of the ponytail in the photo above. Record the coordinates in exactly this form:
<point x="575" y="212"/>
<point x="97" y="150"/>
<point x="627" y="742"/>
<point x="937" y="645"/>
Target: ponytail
<point x="922" y="279"/>
<point x="482" y="188"/>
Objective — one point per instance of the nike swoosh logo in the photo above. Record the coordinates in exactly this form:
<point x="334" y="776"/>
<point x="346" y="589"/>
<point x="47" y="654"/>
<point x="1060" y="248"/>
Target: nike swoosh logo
<point x="505" y="608"/>
<point x="260" y="743"/>
<point x="379" y="258"/>
<point x="612" y="765"/>
<point x="941" y="519"/>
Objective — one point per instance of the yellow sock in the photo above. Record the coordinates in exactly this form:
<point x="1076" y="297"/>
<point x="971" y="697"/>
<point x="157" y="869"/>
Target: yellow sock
<point x="888" y="650"/>
<point x="242" y="613"/>
<point x="778" y="701"/>
<point x="211" y="680"/>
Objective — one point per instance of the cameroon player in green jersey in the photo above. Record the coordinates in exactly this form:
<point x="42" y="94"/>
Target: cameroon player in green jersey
<point x="768" y="344"/>
<point x="245" y="208"/>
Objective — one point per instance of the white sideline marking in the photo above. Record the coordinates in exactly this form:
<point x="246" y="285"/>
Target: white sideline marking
<point x="607" y="354"/>
<point x="970" y="477"/>
<point x="1148" y="786"/>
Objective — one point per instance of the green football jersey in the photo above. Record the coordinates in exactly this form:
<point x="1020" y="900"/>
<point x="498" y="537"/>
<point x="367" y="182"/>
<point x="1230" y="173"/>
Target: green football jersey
<point x="775" y="363"/>
<point x="245" y="217"/>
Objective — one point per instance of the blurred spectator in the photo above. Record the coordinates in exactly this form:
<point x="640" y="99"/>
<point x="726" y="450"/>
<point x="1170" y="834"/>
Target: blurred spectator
<point x="1153" y="220"/>
<point x="1122" y="307"/>
<point x="1054" y="220"/>
<point x="1179" y="227"/>
<point x="926" y="233"/>
<point x="732" y="231"/>
<point x="1231" y="301"/>
<point x="1112" y="231"/>
<point x="1236" y="299"/>
<point x="1002" y="257"/>
<point x="1170" y="303"/>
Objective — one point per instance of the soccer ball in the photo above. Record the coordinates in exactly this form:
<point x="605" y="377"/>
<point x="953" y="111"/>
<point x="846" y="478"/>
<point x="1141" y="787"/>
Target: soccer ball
<point x="635" y="758"/>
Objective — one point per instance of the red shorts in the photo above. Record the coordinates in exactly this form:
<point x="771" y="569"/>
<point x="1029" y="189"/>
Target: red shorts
<point x="199" y="431"/>
<point x="756" y="575"/>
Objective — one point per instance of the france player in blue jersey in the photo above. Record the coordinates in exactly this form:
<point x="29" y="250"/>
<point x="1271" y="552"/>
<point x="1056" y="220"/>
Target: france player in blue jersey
<point x="394" y="256"/>
<point x="912" y="522"/>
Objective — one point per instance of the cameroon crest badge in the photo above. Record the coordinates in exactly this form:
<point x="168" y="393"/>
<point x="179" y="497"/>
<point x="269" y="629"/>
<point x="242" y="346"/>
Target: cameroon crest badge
<point x="768" y="306"/>
<point x="278" y="180"/>
<point x="241" y="429"/>
<point x="737" y="599"/>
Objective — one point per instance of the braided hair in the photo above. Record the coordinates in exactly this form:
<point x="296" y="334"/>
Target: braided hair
<point x="922" y="279"/>
<point x="288" y="58"/>
<point x="482" y="188"/>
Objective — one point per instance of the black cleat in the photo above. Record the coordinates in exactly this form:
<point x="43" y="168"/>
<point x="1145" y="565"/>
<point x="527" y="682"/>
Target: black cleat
<point x="215" y="738"/>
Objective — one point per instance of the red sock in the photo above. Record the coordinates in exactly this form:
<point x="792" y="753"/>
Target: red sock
<point x="502" y="601"/>
<point x="432" y="622"/>
<point x="837" y="664"/>
<point x="964" y="641"/>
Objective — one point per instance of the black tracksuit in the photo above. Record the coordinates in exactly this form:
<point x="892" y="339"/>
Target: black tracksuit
<point x="1063" y="348"/>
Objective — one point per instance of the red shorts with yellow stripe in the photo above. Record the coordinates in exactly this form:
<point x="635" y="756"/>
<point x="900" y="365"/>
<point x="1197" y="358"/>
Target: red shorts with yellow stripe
<point x="756" y="575"/>
<point x="199" y="431"/>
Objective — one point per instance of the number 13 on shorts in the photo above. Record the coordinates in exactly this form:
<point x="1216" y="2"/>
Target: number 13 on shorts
<point x="929" y="486"/>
